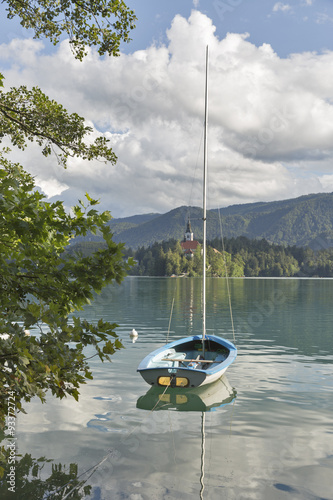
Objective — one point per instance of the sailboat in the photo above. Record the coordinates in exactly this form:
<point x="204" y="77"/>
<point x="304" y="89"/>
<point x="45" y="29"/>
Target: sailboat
<point x="195" y="360"/>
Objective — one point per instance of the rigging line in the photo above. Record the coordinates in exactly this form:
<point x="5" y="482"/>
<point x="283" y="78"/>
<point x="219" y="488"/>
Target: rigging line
<point x="227" y="278"/>
<point x="167" y="338"/>
<point x="171" y="312"/>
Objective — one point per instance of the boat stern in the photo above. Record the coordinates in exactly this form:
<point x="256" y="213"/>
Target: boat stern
<point x="173" y="377"/>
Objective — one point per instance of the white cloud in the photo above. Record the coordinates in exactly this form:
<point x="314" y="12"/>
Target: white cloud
<point x="270" y="119"/>
<point x="327" y="182"/>
<point x="279" y="6"/>
<point x="323" y="18"/>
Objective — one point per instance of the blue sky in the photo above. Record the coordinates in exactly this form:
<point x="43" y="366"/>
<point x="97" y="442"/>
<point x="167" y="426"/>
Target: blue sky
<point x="270" y="105"/>
<point x="288" y="27"/>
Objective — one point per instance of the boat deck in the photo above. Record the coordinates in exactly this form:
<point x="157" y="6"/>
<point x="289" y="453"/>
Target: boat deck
<point x="190" y="359"/>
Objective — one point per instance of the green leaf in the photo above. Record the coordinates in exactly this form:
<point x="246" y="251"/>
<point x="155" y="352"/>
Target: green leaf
<point x="104" y="24"/>
<point x="108" y="348"/>
<point x="41" y="285"/>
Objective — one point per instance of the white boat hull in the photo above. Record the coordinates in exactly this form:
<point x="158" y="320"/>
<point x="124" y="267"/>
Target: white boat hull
<point x="180" y="363"/>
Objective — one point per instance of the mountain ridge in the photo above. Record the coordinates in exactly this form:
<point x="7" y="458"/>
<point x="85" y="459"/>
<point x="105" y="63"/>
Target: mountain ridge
<point x="303" y="221"/>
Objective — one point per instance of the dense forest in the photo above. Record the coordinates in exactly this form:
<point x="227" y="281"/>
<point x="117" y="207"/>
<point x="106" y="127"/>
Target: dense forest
<point x="240" y="256"/>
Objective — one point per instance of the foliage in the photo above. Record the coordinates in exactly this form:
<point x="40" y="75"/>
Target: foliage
<point x="41" y="284"/>
<point x="265" y="259"/>
<point x="60" y="480"/>
<point x="29" y="115"/>
<point x="318" y="263"/>
<point x="98" y="23"/>
<point x="243" y="256"/>
<point x="262" y="258"/>
<point x="167" y="259"/>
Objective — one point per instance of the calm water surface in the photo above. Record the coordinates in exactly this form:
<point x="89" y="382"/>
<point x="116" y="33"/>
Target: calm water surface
<point x="267" y="429"/>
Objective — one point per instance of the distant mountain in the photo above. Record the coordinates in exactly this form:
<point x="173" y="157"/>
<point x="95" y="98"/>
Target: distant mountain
<point x="303" y="221"/>
<point x="161" y="227"/>
<point x="120" y="225"/>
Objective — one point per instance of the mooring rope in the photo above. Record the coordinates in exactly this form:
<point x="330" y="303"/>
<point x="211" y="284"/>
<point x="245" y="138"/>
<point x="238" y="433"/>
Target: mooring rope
<point x="81" y="483"/>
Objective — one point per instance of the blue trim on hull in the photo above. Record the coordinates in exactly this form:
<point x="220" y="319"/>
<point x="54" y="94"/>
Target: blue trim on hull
<point x="196" y="376"/>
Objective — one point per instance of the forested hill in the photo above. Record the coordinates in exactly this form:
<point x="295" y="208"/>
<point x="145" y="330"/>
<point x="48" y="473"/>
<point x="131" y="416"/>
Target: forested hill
<point x="303" y="221"/>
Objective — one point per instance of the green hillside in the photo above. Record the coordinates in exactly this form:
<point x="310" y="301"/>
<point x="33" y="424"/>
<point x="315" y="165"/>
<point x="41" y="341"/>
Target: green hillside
<point x="303" y="221"/>
<point x="307" y="220"/>
<point x="120" y="225"/>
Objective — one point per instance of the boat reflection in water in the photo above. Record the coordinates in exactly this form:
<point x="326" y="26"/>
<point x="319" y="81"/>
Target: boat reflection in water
<point x="202" y="399"/>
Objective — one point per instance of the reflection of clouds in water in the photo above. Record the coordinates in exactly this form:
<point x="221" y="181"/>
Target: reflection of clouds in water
<point x="114" y="399"/>
<point x="313" y="484"/>
<point x="276" y="433"/>
<point x="139" y="489"/>
<point x="99" y="422"/>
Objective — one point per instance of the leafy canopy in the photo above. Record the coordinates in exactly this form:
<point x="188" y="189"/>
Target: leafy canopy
<point x="42" y="284"/>
<point x="29" y="115"/>
<point x="98" y="23"/>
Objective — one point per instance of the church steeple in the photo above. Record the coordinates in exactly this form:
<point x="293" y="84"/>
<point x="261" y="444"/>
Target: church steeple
<point x="189" y="245"/>
<point x="188" y="234"/>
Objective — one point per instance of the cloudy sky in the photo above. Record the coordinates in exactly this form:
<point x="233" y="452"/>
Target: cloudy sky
<point x="270" y="104"/>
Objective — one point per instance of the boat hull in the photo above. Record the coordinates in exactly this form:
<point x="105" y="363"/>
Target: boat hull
<point x="177" y="364"/>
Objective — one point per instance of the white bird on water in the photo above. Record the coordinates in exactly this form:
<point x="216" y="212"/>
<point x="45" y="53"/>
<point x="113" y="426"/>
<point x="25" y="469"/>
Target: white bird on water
<point x="5" y="336"/>
<point x="134" y="335"/>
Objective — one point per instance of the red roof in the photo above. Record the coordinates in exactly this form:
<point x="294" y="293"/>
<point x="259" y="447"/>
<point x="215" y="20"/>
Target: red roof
<point x="189" y="246"/>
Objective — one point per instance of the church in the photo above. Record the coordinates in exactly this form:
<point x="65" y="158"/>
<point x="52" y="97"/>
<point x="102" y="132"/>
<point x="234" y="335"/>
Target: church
<point x="189" y="245"/>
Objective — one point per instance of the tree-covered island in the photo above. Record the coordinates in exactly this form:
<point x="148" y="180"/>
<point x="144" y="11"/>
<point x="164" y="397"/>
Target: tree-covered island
<point x="241" y="257"/>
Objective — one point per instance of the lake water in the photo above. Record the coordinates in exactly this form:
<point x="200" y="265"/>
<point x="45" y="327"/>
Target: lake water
<point x="264" y="432"/>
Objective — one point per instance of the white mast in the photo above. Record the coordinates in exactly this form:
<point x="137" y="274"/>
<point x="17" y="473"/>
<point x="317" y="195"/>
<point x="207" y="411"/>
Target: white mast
<point x="205" y="210"/>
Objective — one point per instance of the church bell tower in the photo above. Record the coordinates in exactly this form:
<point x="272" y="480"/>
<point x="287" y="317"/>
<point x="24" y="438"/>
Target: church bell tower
<point x="188" y="234"/>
